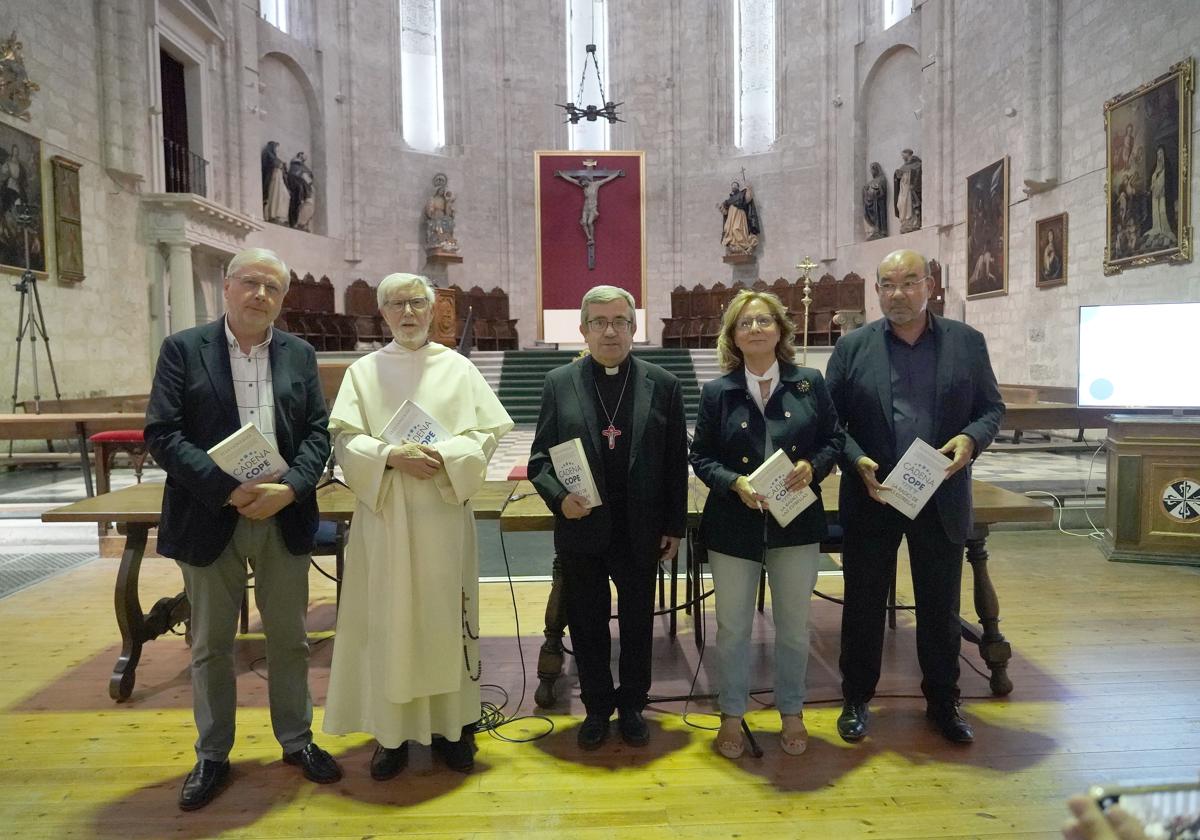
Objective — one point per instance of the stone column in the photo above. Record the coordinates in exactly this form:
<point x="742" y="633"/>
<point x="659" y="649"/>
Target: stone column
<point x="182" y="295"/>
<point x="156" y="297"/>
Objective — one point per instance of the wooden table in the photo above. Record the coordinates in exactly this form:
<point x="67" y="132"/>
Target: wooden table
<point x="66" y="426"/>
<point x="1052" y="415"/>
<point x="137" y="509"/>
<point x="993" y="505"/>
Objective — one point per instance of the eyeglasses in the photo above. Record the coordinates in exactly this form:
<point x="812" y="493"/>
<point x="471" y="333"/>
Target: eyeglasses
<point x="907" y="286"/>
<point x="253" y="282"/>
<point x="417" y="304"/>
<point x="601" y="325"/>
<point x="762" y="321"/>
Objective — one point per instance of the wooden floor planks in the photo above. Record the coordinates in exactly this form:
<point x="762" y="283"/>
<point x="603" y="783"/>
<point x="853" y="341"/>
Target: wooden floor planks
<point x="1106" y="666"/>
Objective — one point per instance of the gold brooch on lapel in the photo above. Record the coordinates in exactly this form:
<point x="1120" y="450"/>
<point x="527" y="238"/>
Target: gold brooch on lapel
<point x="803" y="386"/>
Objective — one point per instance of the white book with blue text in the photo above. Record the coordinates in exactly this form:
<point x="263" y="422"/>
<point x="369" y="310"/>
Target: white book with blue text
<point x="770" y="480"/>
<point x="411" y="424"/>
<point x="571" y="467"/>
<point x="248" y="456"/>
<point x="915" y="478"/>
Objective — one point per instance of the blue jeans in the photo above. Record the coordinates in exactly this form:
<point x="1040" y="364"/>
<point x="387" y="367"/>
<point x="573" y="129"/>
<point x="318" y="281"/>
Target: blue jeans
<point x="792" y="574"/>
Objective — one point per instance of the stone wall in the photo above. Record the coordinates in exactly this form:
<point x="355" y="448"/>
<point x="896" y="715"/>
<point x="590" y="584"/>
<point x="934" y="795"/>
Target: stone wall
<point x="978" y="61"/>
<point x="848" y="92"/>
<point x="97" y="328"/>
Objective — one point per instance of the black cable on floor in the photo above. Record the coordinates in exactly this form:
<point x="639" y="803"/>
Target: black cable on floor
<point x="491" y="715"/>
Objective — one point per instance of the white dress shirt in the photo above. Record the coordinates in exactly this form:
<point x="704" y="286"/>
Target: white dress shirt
<point x="252" y="384"/>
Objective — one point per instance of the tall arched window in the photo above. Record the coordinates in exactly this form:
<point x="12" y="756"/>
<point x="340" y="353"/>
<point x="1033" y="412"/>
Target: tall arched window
<point x="275" y="12"/>
<point x="587" y="23"/>
<point x="421" y="85"/>
<point x="895" y="11"/>
<point x="754" y="74"/>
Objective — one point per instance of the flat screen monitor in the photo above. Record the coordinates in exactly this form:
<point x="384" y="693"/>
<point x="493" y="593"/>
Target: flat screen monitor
<point x="1139" y="355"/>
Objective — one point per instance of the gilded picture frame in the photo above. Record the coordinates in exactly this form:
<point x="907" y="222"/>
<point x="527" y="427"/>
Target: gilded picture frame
<point x="1147" y="172"/>
<point x="1050" y="251"/>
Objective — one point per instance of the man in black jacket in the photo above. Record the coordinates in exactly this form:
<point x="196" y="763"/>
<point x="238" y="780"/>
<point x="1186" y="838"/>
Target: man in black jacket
<point x="908" y="375"/>
<point x="628" y="414"/>
<point x="210" y="381"/>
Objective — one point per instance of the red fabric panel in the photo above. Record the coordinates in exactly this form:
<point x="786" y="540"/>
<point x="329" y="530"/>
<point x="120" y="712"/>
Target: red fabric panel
<point x="565" y="275"/>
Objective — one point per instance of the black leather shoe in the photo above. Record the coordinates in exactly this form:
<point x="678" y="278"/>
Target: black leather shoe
<point x="203" y="784"/>
<point x="458" y="755"/>
<point x="387" y="762"/>
<point x="318" y="765"/>
<point x="593" y="732"/>
<point x="852" y="722"/>
<point x="633" y="728"/>
<point x="950" y="722"/>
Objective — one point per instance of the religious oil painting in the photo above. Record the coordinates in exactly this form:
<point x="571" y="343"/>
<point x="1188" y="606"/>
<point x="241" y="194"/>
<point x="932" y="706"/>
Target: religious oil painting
<point x="987" y="231"/>
<point x="1050" y="251"/>
<point x="21" y="201"/>
<point x="1146" y="177"/>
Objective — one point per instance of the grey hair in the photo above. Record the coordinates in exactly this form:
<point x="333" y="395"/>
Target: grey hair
<point x="400" y="280"/>
<point x="605" y="294"/>
<point x="260" y="256"/>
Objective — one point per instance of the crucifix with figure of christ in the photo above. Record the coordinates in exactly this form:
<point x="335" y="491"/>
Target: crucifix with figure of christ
<point x="612" y="433"/>
<point x="590" y="180"/>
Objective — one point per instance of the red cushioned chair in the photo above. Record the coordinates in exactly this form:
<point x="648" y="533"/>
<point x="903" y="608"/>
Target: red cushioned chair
<point x="108" y="444"/>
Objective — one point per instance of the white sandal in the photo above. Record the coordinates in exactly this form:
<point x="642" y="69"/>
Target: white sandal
<point x="731" y="749"/>
<point x="793" y="737"/>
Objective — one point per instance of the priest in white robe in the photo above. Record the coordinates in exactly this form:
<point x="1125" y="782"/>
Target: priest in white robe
<point x="406" y="657"/>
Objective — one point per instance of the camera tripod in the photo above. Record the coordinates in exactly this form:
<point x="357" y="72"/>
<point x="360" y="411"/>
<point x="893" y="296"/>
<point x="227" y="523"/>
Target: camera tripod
<point x="31" y="323"/>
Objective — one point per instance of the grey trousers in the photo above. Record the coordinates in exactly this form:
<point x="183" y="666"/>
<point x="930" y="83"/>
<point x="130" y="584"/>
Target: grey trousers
<point x="281" y="594"/>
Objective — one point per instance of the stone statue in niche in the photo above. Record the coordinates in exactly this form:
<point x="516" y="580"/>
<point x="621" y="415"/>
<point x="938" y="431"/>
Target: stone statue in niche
<point x="907" y="182"/>
<point x="874" y="197"/>
<point x="740" y="229"/>
<point x="276" y="196"/>
<point x="439" y="218"/>
<point x="303" y="187"/>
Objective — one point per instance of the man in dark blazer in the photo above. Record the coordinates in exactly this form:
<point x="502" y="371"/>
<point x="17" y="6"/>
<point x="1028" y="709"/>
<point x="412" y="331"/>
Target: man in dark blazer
<point x="908" y="375"/>
<point x="210" y="381"/>
<point x="628" y="414"/>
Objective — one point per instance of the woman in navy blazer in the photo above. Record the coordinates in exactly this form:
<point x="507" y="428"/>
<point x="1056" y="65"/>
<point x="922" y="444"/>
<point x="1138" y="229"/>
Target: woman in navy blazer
<point x="762" y="404"/>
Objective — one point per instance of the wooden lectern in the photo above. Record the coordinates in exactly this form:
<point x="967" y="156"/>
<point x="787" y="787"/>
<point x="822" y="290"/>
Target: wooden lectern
<point x="1152" y="506"/>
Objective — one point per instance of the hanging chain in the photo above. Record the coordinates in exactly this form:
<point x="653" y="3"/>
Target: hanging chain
<point x="467" y="634"/>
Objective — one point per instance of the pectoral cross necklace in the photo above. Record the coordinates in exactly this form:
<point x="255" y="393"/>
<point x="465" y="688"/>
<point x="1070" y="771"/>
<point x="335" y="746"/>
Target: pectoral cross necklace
<point x="612" y="432"/>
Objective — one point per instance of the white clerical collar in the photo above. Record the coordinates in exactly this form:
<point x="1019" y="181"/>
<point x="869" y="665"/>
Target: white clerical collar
<point x="234" y="344"/>
<point x="611" y="371"/>
<point x="772" y="374"/>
